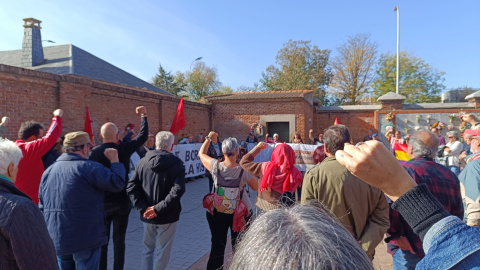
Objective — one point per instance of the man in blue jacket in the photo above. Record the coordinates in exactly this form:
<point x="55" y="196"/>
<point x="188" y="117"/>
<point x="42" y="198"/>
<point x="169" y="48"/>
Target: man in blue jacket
<point x="155" y="189"/>
<point x="71" y="198"/>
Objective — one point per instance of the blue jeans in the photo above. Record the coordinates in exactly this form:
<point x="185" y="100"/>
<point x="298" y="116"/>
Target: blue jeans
<point x="158" y="239"/>
<point x="403" y="259"/>
<point x="455" y="170"/>
<point x="83" y="260"/>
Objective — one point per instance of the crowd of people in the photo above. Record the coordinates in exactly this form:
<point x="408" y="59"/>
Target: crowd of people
<point x="61" y="214"/>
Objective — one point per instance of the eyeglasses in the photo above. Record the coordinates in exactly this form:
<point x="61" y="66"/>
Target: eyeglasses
<point x="450" y="137"/>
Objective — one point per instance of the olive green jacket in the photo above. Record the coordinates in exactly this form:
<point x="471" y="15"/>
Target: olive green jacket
<point x="361" y="208"/>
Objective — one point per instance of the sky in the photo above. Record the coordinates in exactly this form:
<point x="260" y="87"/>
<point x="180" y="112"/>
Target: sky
<point x="241" y="38"/>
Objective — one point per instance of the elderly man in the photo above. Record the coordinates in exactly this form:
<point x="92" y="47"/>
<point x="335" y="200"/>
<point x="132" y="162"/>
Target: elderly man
<point x="470" y="180"/>
<point x="452" y="150"/>
<point x="34" y="145"/>
<point x="362" y="209"/>
<point x="71" y="198"/>
<point x="439" y="180"/>
<point x="448" y="242"/>
<point x="155" y="189"/>
<point x="117" y="204"/>
<point x="24" y="239"/>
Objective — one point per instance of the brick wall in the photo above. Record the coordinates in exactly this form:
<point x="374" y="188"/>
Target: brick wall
<point x="33" y="95"/>
<point x="358" y="122"/>
<point x="234" y="118"/>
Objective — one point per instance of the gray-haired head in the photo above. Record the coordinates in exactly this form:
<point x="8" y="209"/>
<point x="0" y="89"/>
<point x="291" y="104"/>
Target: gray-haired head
<point x="424" y="144"/>
<point x="453" y="133"/>
<point x="164" y="140"/>
<point x="9" y="153"/>
<point x="317" y="239"/>
<point x="230" y="146"/>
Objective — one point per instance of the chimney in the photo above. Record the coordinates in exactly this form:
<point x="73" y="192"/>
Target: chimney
<point x="32" y="50"/>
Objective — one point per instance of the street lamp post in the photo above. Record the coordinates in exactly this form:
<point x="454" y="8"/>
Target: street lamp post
<point x="198" y="59"/>
<point x="191" y="88"/>
<point x="398" y="46"/>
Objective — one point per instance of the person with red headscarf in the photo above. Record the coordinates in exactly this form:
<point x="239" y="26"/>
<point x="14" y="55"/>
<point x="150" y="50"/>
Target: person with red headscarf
<point x="277" y="176"/>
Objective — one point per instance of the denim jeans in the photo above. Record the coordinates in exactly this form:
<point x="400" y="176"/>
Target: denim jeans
<point x="119" y="218"/>
<point x="157" y="240"/>
<point x="404" y="260"/>
<point x="83" y="260"/>
<point x="455" y="169"/>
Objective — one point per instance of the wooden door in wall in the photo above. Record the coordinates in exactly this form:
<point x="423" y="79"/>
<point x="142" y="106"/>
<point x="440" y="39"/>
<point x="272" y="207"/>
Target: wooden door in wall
<point x="281" y="128"/>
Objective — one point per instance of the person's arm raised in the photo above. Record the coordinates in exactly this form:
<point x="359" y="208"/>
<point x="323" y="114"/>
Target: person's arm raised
<point x="375" y="165"/>
<point x="206" y="160"/>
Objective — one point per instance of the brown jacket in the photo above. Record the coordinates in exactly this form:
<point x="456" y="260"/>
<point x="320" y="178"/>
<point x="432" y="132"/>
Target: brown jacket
<point x="361" y="208"/>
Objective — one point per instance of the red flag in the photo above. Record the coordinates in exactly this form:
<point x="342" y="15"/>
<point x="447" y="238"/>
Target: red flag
<point x="179" y="120"/>
<point x="336" y="121"/>
<point x="88" y="126"/>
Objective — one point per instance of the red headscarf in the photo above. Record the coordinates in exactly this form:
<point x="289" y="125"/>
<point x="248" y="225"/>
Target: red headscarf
<point x="280" y="173"/>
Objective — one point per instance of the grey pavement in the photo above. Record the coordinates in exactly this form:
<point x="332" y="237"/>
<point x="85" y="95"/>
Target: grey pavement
<point x="192" y="239"/>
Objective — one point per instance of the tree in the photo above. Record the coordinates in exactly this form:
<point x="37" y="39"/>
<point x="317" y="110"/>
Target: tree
<point x="167" y="81"/>
<point x="353" y="69"/>
<point x="222" y="90"/>
<point x="419" y="82"/>
<point x="300" y="66"/>
<point x="202" y="81"/>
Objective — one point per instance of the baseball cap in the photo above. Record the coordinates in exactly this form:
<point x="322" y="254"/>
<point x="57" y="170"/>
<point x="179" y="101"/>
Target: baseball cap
<point x="375" y="135"/>
<point x="76" y="138"/>
<point x="472" y="132"/>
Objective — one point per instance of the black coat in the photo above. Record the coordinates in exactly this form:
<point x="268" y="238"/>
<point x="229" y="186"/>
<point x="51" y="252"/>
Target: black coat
<point x="118" y="201"/>
<point x="24" y="239"/>
<point x="158" y="180"/>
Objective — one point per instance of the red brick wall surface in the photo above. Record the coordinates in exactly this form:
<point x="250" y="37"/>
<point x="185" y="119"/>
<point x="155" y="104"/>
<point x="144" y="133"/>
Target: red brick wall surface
<point x="358" y="122"/>
<point x="234" y="118"/>
<point x="33" y="95"/>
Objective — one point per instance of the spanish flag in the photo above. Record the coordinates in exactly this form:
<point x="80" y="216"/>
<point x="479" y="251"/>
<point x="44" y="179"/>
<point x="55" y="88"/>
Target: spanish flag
<point x="401" y="152"/>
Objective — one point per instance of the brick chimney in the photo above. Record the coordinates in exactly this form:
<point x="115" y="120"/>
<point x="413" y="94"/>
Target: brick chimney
<point x="32" y="49"/>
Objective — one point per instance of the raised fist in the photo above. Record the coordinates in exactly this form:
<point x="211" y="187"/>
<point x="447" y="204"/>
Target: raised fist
<point x="58" y="112"/>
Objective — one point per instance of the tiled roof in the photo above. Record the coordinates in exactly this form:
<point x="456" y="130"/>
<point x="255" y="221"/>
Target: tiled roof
<point x="69" y="59"/>
<point x="260" y="95"/>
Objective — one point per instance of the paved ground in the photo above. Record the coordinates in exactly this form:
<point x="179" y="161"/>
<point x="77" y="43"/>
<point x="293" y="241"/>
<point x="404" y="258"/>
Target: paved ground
<point x="192" y="241"/>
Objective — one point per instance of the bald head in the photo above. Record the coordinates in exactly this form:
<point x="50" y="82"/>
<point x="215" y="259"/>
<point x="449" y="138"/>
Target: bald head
<point x="109" y="132"/>
<point x="424" y="144"/>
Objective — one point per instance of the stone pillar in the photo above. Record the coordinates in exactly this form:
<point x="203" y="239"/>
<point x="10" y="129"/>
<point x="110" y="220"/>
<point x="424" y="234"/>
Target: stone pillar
<point x="32" y="49"/>
<point x="391" y="101"/>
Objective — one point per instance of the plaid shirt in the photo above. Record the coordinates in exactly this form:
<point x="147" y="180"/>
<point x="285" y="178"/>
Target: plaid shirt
<point x="442" y="183"/>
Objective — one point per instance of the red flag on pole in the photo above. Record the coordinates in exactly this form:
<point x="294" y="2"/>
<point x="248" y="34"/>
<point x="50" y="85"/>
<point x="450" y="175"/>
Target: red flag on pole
<point x="179" y="120"/>
<point x="336" y="121"/>
<point x="88" y="126"/>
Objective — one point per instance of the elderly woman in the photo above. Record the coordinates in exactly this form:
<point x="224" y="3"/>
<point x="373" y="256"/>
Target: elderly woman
<point x="278" y="175"/>
<point x="275" y="139"/>
<point x="23" y="228"/>
<point x="301" y="237"/>
<point x="229" y="181"/>
<point x="452" y="150"/>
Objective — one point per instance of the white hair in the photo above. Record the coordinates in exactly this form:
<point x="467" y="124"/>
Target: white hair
<point x="229" y="146"/>
<point x="300" y="237"/>
<point x="9" y="152"/>
<point x="164" y="140"/>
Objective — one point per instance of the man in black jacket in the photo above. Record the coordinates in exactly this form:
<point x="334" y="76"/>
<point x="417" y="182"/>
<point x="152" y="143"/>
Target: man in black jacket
<point x="24" y="239"/>
<point x="155" y="189"/>
<point x="117" y="205"/>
